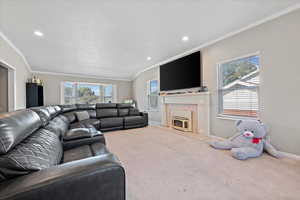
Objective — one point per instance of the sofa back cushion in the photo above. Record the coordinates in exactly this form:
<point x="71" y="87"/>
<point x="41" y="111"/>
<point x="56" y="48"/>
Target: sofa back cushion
<point x="124" y="105"/>
<point x="58" y="109"/>
<point x="134" y="112"/>
<point x="58" y="126"/>
<point x="92" y="114"/>
<point x="16" y="126"/>
<point x="51" y="111"/>
<point x="40" y="150"/>
<point x="109" y="112"/>
<point x="86" y="106"/>
<point x="106" y="105"/>
<point x="123" y="109"/>
<point x="106" y="110"/>
<point x="70" y="116"/>
<point x="65" y="119"/>
<point x="123" y="112"/>
<point x="67" y="108"/>
<point x="43" y="114"/>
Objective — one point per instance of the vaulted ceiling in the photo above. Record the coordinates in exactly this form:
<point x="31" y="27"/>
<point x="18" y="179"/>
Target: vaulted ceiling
<point x="113" y="38"/>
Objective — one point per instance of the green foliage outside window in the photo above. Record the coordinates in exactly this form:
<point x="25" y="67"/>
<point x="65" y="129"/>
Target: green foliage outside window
<point x="87" y="93"/>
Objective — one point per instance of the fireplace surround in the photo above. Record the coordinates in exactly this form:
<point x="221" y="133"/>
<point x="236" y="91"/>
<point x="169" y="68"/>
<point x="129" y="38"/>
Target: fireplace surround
<point x="197" y="104"/>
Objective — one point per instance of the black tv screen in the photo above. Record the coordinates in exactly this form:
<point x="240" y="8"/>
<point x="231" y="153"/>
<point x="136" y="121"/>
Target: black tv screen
<point x="183" y="73"/>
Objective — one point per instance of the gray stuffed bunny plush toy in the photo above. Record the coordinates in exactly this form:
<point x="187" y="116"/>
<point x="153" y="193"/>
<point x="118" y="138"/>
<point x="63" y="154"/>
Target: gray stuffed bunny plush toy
<point x="249" y="142"/>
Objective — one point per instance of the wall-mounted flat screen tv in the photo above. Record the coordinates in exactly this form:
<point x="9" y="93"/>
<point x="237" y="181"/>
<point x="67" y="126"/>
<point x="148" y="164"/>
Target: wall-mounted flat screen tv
<point x="183" y="73"/>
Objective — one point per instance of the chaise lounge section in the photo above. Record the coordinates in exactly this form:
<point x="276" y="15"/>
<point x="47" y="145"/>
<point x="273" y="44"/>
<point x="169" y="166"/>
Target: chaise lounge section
<point x="41" y="158"/>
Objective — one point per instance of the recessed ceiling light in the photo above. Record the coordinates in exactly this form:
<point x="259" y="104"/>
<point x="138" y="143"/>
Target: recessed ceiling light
<point x="185" y="38"/>
<point x="38" y="33"/>
<point x="149" y="58"/>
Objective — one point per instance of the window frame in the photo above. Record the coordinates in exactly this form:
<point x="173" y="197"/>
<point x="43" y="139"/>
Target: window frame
<point x="102" y="92"/>
<point x="148" y="93"/>
<point x="220" y="113"/>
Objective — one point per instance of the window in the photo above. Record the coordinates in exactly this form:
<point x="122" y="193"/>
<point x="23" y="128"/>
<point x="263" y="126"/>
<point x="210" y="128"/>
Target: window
<point x="152" y="93"/>
<point x="239" y="87"/>
<point x="82" y="93"/>
<point x="108" y="94"/>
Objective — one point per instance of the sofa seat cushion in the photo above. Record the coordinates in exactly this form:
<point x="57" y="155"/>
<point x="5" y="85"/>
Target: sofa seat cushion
<point x="111" y="122"/>
<point x="77" y="153"/>
<point x="88" y="123"/>
<point x="80" y="133"/>
<point x="85" y="151"/>
<point x="133" y="120"/>
<point x="41" y="150"/>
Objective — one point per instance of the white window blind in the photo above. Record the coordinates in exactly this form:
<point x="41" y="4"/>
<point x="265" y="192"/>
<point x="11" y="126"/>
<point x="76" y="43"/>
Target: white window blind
<point x="239" y="87"/>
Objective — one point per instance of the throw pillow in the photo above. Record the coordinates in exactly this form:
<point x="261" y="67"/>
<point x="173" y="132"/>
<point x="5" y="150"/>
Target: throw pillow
<point x="83" y="115"/>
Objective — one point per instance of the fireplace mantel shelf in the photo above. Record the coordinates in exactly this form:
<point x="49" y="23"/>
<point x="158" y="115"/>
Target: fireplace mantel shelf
<point x="201" y="100"/>
<point x="186" y="94"/>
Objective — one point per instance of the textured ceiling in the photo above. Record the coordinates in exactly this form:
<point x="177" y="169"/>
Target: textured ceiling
<point x="113" y="38"/>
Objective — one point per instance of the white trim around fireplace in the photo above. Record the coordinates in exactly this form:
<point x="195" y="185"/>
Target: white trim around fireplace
<point x="201" y="100"/>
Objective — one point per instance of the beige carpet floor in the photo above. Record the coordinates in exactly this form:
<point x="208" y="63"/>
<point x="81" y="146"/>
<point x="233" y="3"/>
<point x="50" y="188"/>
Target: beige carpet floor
<point x="161" y="164"/>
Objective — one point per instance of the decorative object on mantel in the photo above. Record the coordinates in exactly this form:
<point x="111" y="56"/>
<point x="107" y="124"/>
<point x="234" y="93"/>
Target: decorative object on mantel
<point x="34" y="92"/>
<point x="249" y="142"/>
<point x="201" y="89"/>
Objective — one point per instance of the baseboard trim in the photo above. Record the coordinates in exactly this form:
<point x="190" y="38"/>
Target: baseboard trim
<point x="154" y="123"/>
<point x="282" y="153"/>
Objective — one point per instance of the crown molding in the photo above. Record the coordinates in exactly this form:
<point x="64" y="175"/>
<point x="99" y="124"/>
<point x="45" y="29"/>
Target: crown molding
<point x="79" y="76"/>
<point x="226" y="36"/>
<point x="16" y="49"/>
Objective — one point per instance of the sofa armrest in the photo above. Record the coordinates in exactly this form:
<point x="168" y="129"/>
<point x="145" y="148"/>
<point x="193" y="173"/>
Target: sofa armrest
<point x="146" y="118"/>
<point x="100" y="177"/>
<point x="80" y="133"/>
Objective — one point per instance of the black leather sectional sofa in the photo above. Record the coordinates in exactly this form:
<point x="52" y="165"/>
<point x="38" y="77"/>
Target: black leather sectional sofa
<point x="106" y="116"/>
<point x="48" y="153"/>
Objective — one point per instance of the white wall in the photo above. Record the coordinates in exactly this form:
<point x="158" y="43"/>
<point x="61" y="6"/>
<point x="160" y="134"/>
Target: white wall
<point x="140" y="93"/>
<point x="52" y="87"/>
<point x="279" y="44"/>
<point x="8" y="55"/>
<point x="3" y="89"/>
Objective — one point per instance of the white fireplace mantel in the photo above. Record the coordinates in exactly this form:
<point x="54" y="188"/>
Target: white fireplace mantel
<point x="201" y="100"/>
